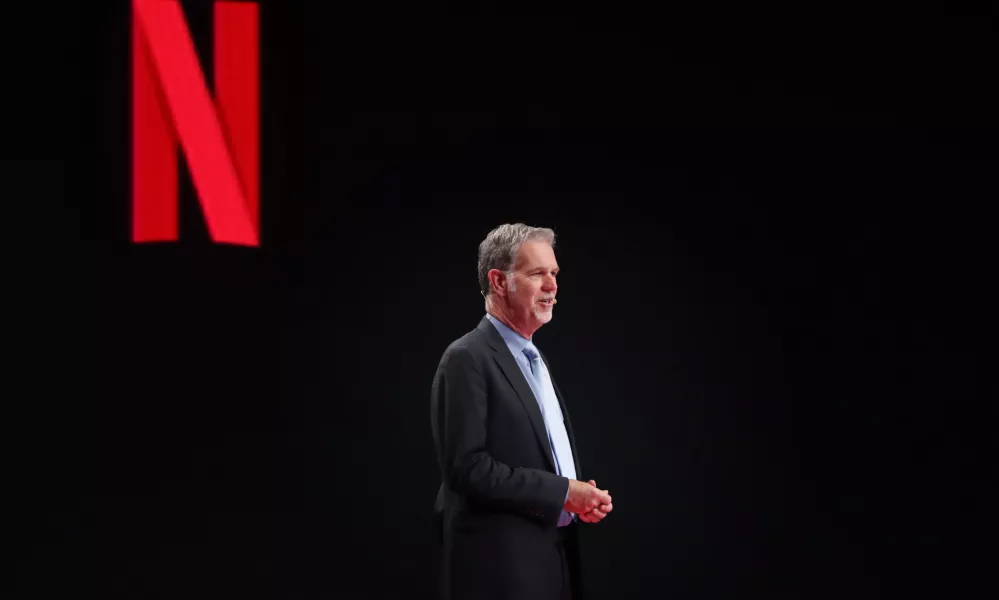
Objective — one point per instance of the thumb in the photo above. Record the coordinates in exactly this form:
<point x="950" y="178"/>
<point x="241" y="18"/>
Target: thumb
<point x="592" y="482"/>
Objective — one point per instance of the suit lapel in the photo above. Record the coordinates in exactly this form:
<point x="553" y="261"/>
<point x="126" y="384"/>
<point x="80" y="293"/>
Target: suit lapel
<point x="516" y="378"/>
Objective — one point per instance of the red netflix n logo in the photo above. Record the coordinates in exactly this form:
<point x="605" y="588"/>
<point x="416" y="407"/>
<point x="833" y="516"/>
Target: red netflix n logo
<point x="220" y="138"/>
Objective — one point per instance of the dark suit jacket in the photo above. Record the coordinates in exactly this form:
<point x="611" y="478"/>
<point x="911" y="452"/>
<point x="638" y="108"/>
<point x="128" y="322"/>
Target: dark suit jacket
<point x="500" y="499"/>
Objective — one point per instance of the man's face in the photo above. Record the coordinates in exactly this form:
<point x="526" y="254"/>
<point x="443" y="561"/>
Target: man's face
<point x="531" y="292"/>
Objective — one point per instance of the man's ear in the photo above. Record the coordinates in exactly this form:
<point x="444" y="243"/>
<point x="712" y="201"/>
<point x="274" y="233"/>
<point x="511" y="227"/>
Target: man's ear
<point x="497" y="281"/>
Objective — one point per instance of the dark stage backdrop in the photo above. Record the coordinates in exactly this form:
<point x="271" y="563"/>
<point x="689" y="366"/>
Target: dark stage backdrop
<point x="773" y="332"/>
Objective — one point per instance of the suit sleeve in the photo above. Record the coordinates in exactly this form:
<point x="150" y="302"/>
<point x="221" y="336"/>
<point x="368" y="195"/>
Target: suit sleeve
<point x="461" y="411"/>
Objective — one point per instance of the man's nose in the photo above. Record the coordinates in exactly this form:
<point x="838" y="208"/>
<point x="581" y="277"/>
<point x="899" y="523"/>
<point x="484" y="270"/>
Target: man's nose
<point x="549" y="284"/>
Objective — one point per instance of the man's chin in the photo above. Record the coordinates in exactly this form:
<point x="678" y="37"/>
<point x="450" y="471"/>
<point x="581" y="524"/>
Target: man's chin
<point x="543" y="315"/>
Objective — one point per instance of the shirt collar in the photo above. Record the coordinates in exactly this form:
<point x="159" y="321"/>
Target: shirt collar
<point x="514" y="340"/>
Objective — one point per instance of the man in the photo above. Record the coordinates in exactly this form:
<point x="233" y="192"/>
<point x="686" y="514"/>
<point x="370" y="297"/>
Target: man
<point x="510" y="501"/>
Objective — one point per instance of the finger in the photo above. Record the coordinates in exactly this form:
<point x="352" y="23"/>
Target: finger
<point x="592" y="482"/>
<point x="606" y="508"/>
<point x="592" y="516"/>
<point x="597" y="514"/>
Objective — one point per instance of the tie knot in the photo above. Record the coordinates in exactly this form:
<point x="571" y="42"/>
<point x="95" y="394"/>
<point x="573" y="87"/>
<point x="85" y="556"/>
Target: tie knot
<point x="531" y="351"/>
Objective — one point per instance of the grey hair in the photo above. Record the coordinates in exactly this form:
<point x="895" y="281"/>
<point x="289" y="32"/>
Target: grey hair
<point x="499" y="249"/>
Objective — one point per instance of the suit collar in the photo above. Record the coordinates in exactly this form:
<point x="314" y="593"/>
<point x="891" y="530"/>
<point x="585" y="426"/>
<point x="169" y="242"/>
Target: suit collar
<point x="496" y="341"/>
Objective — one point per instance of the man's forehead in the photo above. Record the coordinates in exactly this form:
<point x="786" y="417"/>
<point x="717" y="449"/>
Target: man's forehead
<point x="535" y="254"/>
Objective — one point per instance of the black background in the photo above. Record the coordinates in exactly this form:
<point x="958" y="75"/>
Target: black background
<point x="776" y="240"/>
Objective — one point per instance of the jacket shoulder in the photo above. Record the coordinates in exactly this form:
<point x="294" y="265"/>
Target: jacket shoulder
<point x="473" y="344"/>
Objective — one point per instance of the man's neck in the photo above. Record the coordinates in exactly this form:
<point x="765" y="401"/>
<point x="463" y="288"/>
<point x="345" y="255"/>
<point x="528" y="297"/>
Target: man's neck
<point x="499" y="315"/>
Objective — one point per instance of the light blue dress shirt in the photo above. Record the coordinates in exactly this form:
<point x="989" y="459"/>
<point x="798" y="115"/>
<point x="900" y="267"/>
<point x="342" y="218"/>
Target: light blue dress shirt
<point x="563" y="460"/>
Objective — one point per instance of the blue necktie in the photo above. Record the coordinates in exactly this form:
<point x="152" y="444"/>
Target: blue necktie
<point x="557" y="435"/>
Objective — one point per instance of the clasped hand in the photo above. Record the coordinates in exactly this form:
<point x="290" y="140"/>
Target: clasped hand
<point x="588" y="501"/>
